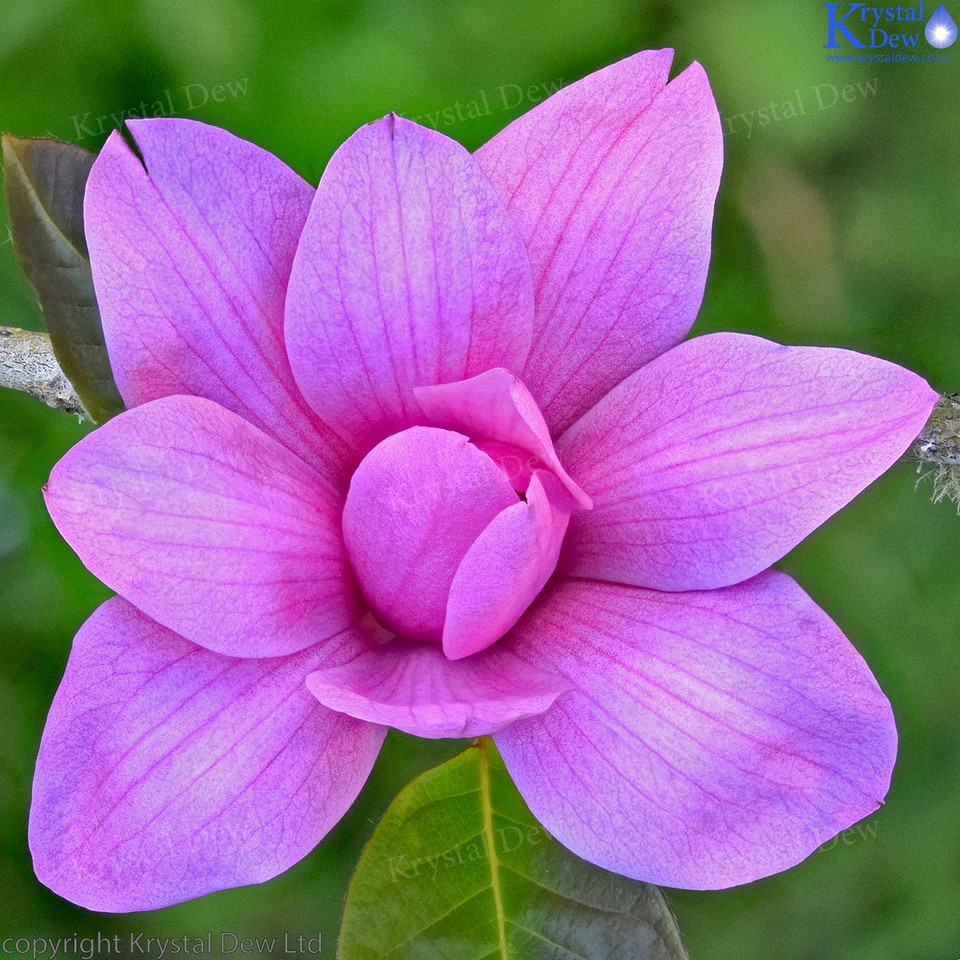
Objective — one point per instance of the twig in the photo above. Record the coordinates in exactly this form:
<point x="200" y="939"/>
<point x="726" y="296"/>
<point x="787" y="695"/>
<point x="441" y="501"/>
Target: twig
<point x="27" y="363"/>
<point x="938" y="447"/>
<point x="939" y="442"/>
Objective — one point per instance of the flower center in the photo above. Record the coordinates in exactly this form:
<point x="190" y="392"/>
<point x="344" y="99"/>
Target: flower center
<point x="442" y="545"/>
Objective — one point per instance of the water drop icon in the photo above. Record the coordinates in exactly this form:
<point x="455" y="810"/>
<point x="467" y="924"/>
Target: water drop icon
<point x="941" y="29"/>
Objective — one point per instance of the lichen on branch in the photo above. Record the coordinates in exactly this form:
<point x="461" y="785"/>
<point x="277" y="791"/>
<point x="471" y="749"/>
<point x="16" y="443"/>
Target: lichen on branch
<point x="27" y="363"/>
<point x="938" y="448"/>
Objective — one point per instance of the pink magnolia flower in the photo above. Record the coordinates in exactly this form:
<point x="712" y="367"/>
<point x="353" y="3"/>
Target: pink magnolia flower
<point x="423" y="448"/>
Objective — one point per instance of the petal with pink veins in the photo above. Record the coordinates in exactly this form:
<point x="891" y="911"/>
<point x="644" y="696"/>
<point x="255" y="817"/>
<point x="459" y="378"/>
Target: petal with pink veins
<point x="505" y="568"/>
<point x="409" y="273"/>
<point x="714" y="737"/>
<point x="191" y="258"/>
<point x="209" y="526"/>
<point x="415" y="688"/>
<point x="714" y="460"/>
<point x="612" y="183"/>
<point x="167" y="771"/>
<point x="496" y="406"/>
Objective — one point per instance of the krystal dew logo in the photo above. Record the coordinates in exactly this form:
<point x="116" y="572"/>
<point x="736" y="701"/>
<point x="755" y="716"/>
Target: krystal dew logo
<point x="860" y="26"/>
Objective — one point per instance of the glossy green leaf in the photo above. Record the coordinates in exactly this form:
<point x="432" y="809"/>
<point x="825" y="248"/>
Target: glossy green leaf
<point x="44" y="182"/>
<point x="458" y="869"/>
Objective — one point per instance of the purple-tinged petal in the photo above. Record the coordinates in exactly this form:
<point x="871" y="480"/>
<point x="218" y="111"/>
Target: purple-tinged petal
<point x="496" y="406"/>
<point x="415" y="688"/>
<point x="409" y="273"/>
<point x="416" y="503"/>
<point x="517" y="465"/>
<point x="714" y="737"/>
<point x="505" y="568"/>
<point x="190" y="262"/>
<point x="209" y="526"/>
<point x="167" y="771"/>
<point x="611" y="182"/>
<point x="714" y="460"/>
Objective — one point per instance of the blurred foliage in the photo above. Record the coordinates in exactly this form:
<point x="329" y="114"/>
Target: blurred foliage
<point x="839" y="225"/>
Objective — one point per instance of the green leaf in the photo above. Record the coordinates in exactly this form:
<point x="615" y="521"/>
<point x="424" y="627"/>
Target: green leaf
<point x="458" y="869"/>
<point x="44" y="182"/>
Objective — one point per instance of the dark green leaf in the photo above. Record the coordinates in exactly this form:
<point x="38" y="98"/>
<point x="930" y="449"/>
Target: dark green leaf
<point x="44" y="182"/>
<point x="458" y="869"/>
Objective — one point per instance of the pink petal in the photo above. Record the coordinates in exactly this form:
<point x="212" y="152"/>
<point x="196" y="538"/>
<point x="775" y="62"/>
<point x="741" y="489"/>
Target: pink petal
<point x="415" y="688"/>
<point x="496" y="406"/>
<point x="409" y="273"/>
<point x="416" y="504"/>
<point x="517" y="465"/>
<point x="714" y="738"/>
<point x="611" y="182"/>
<point x="713" y="461"/>
<point x="167" y="771"/>
<point x="209" y="526"/>
<point x="505" y="568"/>
<point x="190" y="262"/>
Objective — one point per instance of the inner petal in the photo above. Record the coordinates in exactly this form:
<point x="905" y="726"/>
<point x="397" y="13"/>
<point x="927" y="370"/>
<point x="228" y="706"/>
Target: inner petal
<point x="414" y="688"/>
<point x="415" y="506"/>
<point x="496" y="406"/>
<point x="506" y="567"/>
<point x="516" y="464"/>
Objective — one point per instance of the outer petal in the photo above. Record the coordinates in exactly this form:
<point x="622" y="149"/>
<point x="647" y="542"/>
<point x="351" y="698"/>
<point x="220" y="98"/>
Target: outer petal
<point x="167" y="771"/>
<point x="209" y="526"/>
<point x="713" y="461"/>
<point x="505" y="568"/>
<point x="714" y="738"/>
<point x="612" y="182"/>
<point x="409" y="272"/>
<point x="190" y="262"/>
<point x="416" y="504"/>
<point x="415" y="688"/>
<point x="497" y="406"/>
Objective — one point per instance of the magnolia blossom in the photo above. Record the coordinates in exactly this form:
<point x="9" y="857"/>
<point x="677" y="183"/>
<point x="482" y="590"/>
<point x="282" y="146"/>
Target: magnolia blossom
<point x="423" y="448"/>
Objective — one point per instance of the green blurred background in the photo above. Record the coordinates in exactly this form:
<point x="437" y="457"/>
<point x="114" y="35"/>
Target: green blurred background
<point x="840" y="226"/>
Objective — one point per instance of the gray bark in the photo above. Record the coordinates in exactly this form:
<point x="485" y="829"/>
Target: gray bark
<point x="27" y="363"/>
